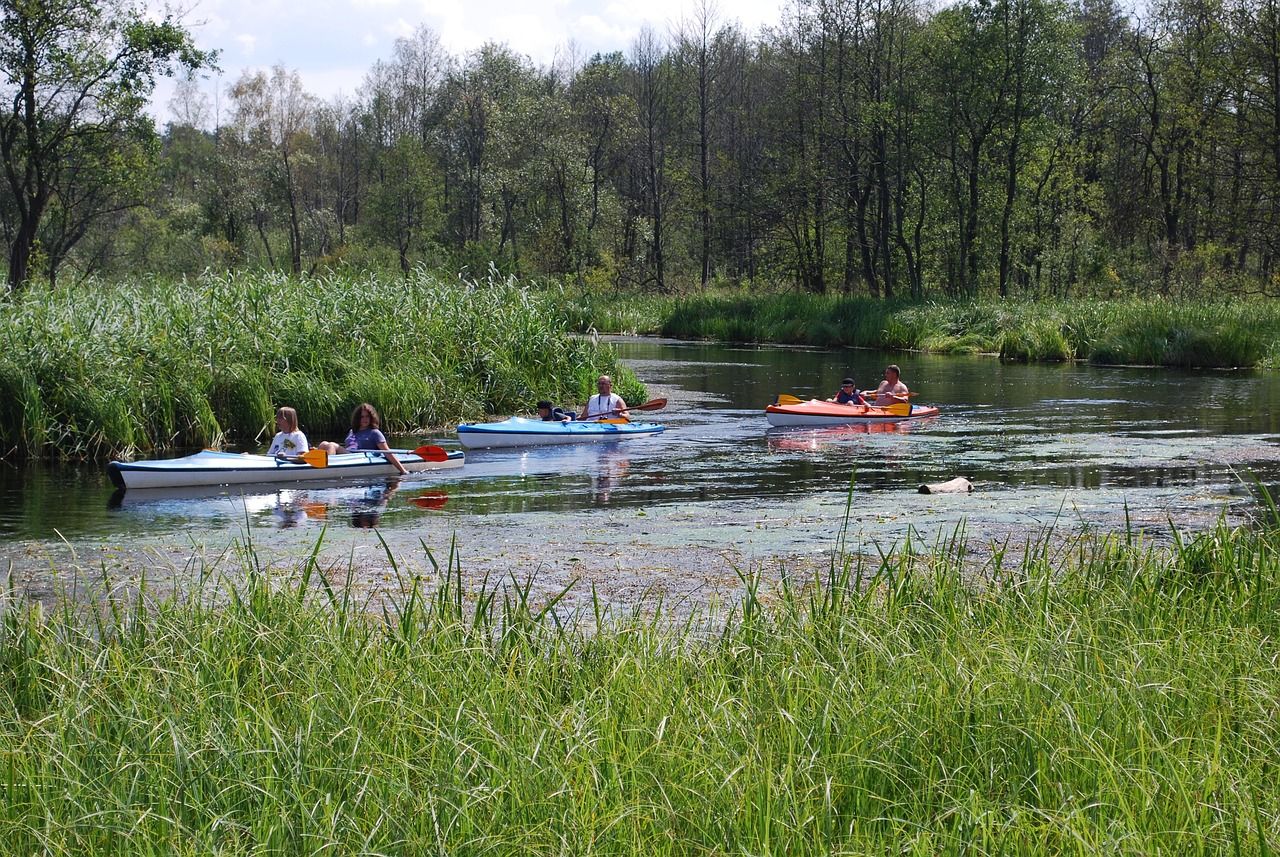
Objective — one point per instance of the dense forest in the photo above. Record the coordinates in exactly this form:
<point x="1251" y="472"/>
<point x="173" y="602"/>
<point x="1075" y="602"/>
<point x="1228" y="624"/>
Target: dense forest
<point x="871" y="147"/>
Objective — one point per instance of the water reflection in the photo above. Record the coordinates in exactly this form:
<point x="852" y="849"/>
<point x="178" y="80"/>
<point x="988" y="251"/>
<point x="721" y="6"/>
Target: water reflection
<point x="362" y="506"/>
<point x="1163" y="437"/>
<point x="367" y="508"/>
<point x="816" y="438"/>
<point x="611" y="467"/>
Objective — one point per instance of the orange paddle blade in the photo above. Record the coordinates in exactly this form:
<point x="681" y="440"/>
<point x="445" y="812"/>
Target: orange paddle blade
<point x="431" y="452"/>
<point x="315" y="457"/>
<point x="651" y="405"/>
<point x="785" y="399"/>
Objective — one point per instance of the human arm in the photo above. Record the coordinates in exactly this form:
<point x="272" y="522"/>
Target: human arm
<point x="391" y="457"/>
<point x="888" y="394"/>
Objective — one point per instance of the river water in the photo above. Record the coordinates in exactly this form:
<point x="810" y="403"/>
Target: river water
<point x="681" y="514"/>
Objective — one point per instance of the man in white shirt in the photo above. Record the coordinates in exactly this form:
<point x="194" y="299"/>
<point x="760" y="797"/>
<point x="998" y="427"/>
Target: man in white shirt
<point x="605" y="404"/>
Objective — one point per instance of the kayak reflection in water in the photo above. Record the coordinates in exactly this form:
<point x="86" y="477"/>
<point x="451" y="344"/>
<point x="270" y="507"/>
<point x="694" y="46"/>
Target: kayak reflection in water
<point x="813" y="439"/>
<point x="366" y="511"/>
<point x="892" y="389"/>
<point x="848" y="394"/>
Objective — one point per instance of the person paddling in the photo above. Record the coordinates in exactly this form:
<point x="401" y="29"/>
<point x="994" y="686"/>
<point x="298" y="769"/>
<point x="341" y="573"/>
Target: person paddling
<point x="848" y="394"/>
<point x="606" y="404"/>
<point x="891" y="389"/>
<point x="365" y="434"/>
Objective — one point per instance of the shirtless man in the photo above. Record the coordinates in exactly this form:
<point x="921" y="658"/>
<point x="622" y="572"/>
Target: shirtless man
<point x="891" y="389"/>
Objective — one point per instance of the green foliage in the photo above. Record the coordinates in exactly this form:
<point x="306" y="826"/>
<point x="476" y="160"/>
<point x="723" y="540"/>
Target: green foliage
<point x="1155" y="332"/>
<point x="76" y="148"/>
<point x="145" y="365"/>
<point x="1092" y="697"/>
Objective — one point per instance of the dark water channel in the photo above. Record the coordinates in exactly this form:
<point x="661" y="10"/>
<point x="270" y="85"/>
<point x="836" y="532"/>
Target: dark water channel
<point x="1082" y="446"/>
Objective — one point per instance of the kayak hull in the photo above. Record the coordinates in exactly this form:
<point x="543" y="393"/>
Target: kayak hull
<point x="817" y="412"/>
<point x="518" y="431"/>
<point x="229" y="468"/>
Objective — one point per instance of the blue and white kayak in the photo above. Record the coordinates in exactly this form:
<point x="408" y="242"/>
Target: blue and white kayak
<point x="519" y="431"/>
<point x="229" y="468"/>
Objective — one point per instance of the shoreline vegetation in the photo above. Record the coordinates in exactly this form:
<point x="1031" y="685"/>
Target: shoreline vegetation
<point x="1096" y="696"/>
<point x="1241" y="333"/>
<point x="148" y="365"/>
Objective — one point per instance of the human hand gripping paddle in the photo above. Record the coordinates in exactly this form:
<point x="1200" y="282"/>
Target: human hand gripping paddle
<point x="320" y="458"/>
<point x="651" y="405"/>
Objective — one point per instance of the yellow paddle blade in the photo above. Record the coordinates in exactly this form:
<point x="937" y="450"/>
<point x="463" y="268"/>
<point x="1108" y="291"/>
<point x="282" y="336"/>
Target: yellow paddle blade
<point x="315" y="457"/>
<point x="784" y="399"/>
<point x="615" y="420"/>
<point x="899" y="409"/>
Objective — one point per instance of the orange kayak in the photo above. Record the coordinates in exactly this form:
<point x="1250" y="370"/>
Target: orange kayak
<point x="819" y="412"/>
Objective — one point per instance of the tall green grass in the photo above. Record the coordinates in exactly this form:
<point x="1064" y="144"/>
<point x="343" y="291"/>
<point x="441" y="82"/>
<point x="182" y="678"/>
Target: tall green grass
<point x="1130" y="331"/>
<point x="145" y="365"/>
<point x="1093" y="697"/>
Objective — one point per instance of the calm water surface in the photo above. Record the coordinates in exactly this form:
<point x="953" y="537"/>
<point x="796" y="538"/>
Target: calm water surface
<point x="1040" y="442"/>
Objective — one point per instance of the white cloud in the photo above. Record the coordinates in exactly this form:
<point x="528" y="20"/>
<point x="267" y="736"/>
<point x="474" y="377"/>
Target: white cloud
<point x="332" y="43"/>
<point x="399" y="28"/>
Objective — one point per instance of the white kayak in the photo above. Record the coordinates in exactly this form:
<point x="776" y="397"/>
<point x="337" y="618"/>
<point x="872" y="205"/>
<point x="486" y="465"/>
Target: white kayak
<point x="229" y="468"/>
<point x="519" y="431"/>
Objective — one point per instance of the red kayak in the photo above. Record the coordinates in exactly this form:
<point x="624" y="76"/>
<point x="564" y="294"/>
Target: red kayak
<point x="819" y="412"/>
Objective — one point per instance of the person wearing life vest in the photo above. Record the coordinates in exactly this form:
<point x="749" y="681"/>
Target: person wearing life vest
<point x="553" y="414"/>
<point x="848" y="394"/>
<point x="605" y="404"/>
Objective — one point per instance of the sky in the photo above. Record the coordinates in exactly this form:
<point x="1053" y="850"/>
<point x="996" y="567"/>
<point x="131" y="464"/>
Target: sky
<point x="333" y="43"/>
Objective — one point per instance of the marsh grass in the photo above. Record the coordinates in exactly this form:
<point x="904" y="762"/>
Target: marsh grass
<point x="1131" y="331"/>
<point x="149" y="365"/>
<point x="1097" y="695"/>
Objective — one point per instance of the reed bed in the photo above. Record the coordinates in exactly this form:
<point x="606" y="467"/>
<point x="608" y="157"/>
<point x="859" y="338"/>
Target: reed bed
<point x="1097" y="696"/>
<point x="1241" y="333"/>
<point x="153" y="365"/>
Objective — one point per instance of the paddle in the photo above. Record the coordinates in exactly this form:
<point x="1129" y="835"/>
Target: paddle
<point x="314" y="457"/>
<point x="320" y="458"/>
<point x="431" y="452"/>
<point x="651" y="405"/>
<point x="785" y="399"/>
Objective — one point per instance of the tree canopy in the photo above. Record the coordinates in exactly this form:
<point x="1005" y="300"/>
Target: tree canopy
<point x="879" y="147"/>
<point x="75" y="78"/>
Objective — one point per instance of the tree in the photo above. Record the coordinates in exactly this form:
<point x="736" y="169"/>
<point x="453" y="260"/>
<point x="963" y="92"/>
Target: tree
<point x="75" y="76"/>
<point x="273" y="115"/>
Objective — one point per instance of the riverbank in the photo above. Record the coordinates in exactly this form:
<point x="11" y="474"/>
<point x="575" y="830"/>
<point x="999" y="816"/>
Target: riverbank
<point x="1131" y="331"/>
<point x="106" y="369"/>
<point x="1106" y="696"/>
